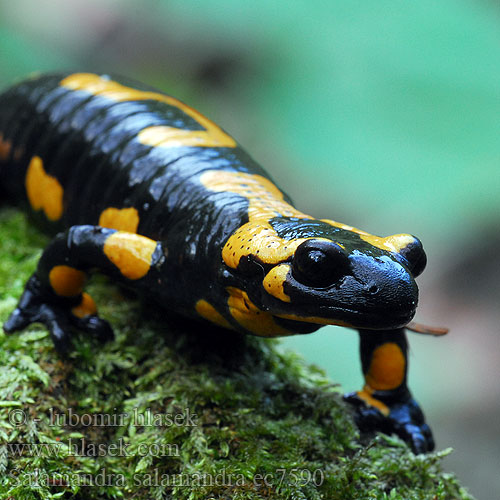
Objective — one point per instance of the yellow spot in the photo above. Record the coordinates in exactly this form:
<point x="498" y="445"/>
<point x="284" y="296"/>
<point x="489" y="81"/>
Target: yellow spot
<point x="274" y="281"/>
<point x="130" y="253"/>
<point x="159" y="136"/>
<point x="44" y="191"/>
<point x="366" y="396"/>
<point x="208" y="311"/>
<point x="260" y="240"/>
<point x="265" y="199"/>
<point x="5" y="147"/>
<point x="256" y="237"/>
<point x="86" y="307"/>
<point x="66" y="281"/>
<point x="124" y="219"/>
<point x="346" y="227"/>
<point x="250" y="317"/>
<point x="394" y="243"/>
<point x="387" y="367"/>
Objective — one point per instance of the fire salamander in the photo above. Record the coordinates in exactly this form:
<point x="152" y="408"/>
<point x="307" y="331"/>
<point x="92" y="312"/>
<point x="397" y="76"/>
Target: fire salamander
<point x="144" y="188"/>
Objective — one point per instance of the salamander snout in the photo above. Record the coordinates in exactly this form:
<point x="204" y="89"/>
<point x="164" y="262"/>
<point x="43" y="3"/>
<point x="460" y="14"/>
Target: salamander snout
<point x="347" y="283"/>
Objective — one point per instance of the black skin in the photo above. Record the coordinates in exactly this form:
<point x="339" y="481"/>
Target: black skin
<point x="89" y="144"/>
<point x="406" y="418"/>
<point x="80" y="247"/>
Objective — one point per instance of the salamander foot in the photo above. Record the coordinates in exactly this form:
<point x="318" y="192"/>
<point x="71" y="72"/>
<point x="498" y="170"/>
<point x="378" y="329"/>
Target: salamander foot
<point x="404" y="418"/>
<point x="58" y="317"/>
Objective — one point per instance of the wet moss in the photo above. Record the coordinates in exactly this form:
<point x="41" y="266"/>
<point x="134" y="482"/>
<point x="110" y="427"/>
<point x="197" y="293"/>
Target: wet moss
<point x="174" y="409"/>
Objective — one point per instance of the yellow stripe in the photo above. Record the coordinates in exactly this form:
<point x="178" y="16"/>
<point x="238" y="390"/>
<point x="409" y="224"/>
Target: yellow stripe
<point x="256" y="237"/>
<point x="394" y="243"/>
<point x="159" y="136"/>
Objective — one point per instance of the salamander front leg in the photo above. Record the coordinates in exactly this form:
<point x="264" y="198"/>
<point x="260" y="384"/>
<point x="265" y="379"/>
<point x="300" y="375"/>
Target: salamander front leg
<point x="41" y="305"/>
<point x="385" y="403"/>
<point x="54" y="294"/>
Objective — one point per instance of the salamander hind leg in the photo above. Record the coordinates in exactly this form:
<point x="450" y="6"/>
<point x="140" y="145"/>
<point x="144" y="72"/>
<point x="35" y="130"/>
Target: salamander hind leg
<point x="385" y="403"/>
<point x="54" y="294"/>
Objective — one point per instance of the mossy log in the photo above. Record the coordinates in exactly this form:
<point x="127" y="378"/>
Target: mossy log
<point x="174" y="409"/>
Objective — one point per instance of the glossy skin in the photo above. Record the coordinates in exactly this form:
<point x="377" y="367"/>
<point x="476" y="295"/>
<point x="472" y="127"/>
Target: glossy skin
<point x="154" y="194"/>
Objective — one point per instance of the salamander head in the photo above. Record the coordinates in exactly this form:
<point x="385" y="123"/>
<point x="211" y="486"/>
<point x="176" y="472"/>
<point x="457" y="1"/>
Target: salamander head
<point x="332" y="274"/>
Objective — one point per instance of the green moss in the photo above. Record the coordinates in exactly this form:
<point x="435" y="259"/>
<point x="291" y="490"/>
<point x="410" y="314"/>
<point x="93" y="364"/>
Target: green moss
<point x="252" y="422"/>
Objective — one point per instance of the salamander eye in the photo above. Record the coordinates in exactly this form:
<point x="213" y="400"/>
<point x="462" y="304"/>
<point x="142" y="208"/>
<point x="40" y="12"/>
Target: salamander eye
<point x="319" y="263"/>
<point x="415" y="255"/>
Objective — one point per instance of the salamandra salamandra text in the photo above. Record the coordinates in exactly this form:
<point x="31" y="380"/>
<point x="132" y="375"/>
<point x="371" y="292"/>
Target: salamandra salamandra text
<point x="149" y="191"/>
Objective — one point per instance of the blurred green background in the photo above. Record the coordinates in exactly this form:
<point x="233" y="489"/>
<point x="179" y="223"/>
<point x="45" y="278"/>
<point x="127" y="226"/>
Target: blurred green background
<point x="383" y="115"/>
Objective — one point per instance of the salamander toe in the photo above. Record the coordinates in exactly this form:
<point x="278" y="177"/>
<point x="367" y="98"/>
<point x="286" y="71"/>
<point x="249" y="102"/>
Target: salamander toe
<point x="36" y="306"/>
<point x="404" y="419"/>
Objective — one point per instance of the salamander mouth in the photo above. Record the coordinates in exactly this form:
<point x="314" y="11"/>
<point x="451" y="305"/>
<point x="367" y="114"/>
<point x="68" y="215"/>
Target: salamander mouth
<point x="351" y="318"/>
